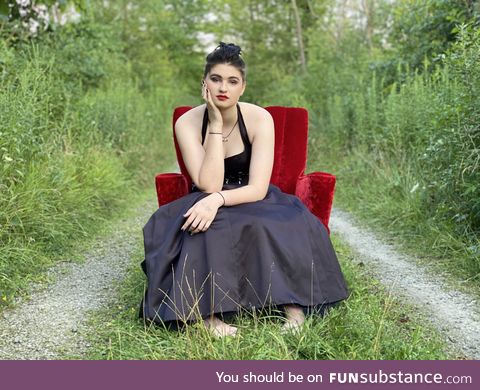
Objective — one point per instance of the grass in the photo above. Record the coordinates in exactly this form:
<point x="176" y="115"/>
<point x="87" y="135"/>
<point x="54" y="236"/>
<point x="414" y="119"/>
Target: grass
<point x="72" y="154"/>
<point x="37" y="275"/>
<point x="378" y="193"/>
<point x="60" y="220"/>
<point x="371" y="324"/>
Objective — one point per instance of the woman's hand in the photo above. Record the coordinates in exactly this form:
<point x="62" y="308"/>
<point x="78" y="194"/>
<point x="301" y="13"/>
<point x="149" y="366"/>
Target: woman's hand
<point x="201" y="214"/>
<point x="214" y="114"/>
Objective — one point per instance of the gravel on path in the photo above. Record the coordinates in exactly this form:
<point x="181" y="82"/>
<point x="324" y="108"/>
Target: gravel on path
<point x="51" y="322"/>
<point x="454" y="313"/>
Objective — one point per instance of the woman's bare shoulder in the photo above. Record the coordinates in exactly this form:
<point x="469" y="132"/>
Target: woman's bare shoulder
<point x="192" y="117"/>
<point x="254" y="117"/>
<point x="254" y="111"/>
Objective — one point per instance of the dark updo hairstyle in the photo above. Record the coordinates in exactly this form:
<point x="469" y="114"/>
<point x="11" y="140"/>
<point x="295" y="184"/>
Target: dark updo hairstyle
<point x="226" y="54"/>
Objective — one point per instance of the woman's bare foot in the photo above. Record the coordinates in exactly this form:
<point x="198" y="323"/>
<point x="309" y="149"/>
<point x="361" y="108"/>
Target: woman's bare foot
<point x="295" y="318"/>
<point x="219" y="328"/>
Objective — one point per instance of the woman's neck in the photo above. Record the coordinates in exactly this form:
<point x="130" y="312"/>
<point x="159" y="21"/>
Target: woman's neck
<point x="229" y="117"/>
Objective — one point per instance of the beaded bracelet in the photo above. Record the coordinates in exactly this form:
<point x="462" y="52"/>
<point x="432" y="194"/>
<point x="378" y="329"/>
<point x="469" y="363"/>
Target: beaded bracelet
<point x="222" y="197"/>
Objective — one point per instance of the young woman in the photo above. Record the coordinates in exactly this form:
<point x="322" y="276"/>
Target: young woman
<point x="235" y="242"/>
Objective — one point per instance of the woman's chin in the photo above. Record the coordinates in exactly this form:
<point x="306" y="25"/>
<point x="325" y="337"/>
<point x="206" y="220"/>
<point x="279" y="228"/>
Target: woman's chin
<point x="224" y="104"/>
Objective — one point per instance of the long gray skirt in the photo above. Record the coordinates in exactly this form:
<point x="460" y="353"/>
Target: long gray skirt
<point x="254" y="255"/>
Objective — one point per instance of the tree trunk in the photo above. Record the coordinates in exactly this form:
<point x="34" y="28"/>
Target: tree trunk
<point x="299" y="37"/>
<point x="368" y="10"/>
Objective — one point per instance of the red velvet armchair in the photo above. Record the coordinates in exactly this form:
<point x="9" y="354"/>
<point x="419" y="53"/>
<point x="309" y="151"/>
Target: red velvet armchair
<point x="314" y="189"/>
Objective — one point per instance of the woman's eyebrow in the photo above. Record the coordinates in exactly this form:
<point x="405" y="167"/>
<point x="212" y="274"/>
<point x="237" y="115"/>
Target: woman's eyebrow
<point x="231" y="77"/>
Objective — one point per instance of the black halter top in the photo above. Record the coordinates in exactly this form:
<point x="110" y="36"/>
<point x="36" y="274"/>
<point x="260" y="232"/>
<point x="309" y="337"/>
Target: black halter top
<point x="237" y="166"/>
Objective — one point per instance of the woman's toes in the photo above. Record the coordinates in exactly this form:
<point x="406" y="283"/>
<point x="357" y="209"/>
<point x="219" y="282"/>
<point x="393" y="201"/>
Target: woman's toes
<point x="232" y="331"/>
<point x="220" y="329"/>
<point x="290" y="327"/>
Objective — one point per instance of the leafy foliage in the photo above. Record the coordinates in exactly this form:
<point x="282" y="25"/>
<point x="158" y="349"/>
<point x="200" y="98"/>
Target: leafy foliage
<point x="78" y="133"/>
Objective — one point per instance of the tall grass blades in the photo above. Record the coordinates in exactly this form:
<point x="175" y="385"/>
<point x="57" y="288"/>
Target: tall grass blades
<point x="78" y="140"/>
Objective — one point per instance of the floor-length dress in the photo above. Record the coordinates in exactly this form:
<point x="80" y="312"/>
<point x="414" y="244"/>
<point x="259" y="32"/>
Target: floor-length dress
<point x="259" y="254"/>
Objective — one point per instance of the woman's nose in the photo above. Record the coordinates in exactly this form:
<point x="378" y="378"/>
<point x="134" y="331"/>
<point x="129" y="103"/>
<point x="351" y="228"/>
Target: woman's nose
<point x="223" y="87"/>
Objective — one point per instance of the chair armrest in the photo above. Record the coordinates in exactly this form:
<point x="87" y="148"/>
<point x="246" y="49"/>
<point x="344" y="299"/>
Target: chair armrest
<point x="170" y="186"/>
<point x="316" y="191"/>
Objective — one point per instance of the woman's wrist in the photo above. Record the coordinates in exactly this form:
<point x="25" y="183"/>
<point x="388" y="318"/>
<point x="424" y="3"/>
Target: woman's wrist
<point x="221" y="199"/>
<point x="215" y="129"/>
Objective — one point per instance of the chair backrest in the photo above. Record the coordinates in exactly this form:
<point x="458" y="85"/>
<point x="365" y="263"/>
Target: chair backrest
<point x="291" y="136"/>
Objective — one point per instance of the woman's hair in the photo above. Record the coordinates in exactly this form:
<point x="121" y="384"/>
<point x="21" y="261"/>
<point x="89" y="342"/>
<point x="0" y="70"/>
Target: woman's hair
<point x="226" y="54"/>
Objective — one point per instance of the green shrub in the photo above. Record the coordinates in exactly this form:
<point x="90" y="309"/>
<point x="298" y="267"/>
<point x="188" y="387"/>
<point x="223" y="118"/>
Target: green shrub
<point x="78" y="140"/>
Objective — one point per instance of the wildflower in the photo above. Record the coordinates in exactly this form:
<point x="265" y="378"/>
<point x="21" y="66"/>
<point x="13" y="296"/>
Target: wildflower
<point x="414" y="188"/>
<point x="42" y="15"/>
<point x="23" y="3"/>
<point x="33" y="26"/>
<point x="73" y="15"/>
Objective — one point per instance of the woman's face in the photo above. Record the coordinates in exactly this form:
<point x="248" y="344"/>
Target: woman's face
<point x="225" y="79"/>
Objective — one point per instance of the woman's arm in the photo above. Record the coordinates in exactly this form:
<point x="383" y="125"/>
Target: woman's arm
<point x="205" y="167"/>
<point x="212" y="170"/>
<point x="261" y="164"/>
<point x="201" y="214"/>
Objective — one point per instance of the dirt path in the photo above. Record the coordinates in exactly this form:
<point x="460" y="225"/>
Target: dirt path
<point x="51" y="323"/>
<point x="455" y="314"/>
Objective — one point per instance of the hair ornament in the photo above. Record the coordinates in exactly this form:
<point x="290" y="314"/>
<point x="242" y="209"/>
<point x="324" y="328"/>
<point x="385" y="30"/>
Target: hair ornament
<point x="231" y="48"/>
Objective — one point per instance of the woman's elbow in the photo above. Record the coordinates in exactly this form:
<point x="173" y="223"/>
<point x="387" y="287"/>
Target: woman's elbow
<point x="210" y="188"/>
<point x="262" y="193"/>
<point x="209" y="184"/>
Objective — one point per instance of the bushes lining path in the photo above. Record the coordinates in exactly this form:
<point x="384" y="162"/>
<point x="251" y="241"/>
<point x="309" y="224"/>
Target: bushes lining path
<point x="51" y="323"/>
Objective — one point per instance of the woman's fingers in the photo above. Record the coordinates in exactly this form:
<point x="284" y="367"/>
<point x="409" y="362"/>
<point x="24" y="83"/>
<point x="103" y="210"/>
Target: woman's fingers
<point x="201" y="226"/>
<point x="214" y="113"/>
<point x="204" y="91"/>
<point x="195" y="223"/>
<point x="190" y="220"/>
<point x="198" y="217"/>
<point x="207" y="225"/>
<point x="189" y="211"/>
<point x="204" y="225"/>
<point x="187" y="223"/>
<point x="206" y="94"/>
<point x="195" y="228"/>
<point x="209" y="97"/>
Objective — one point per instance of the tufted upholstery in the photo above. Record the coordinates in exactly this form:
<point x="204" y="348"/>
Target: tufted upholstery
<point x="291" y="137"/>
